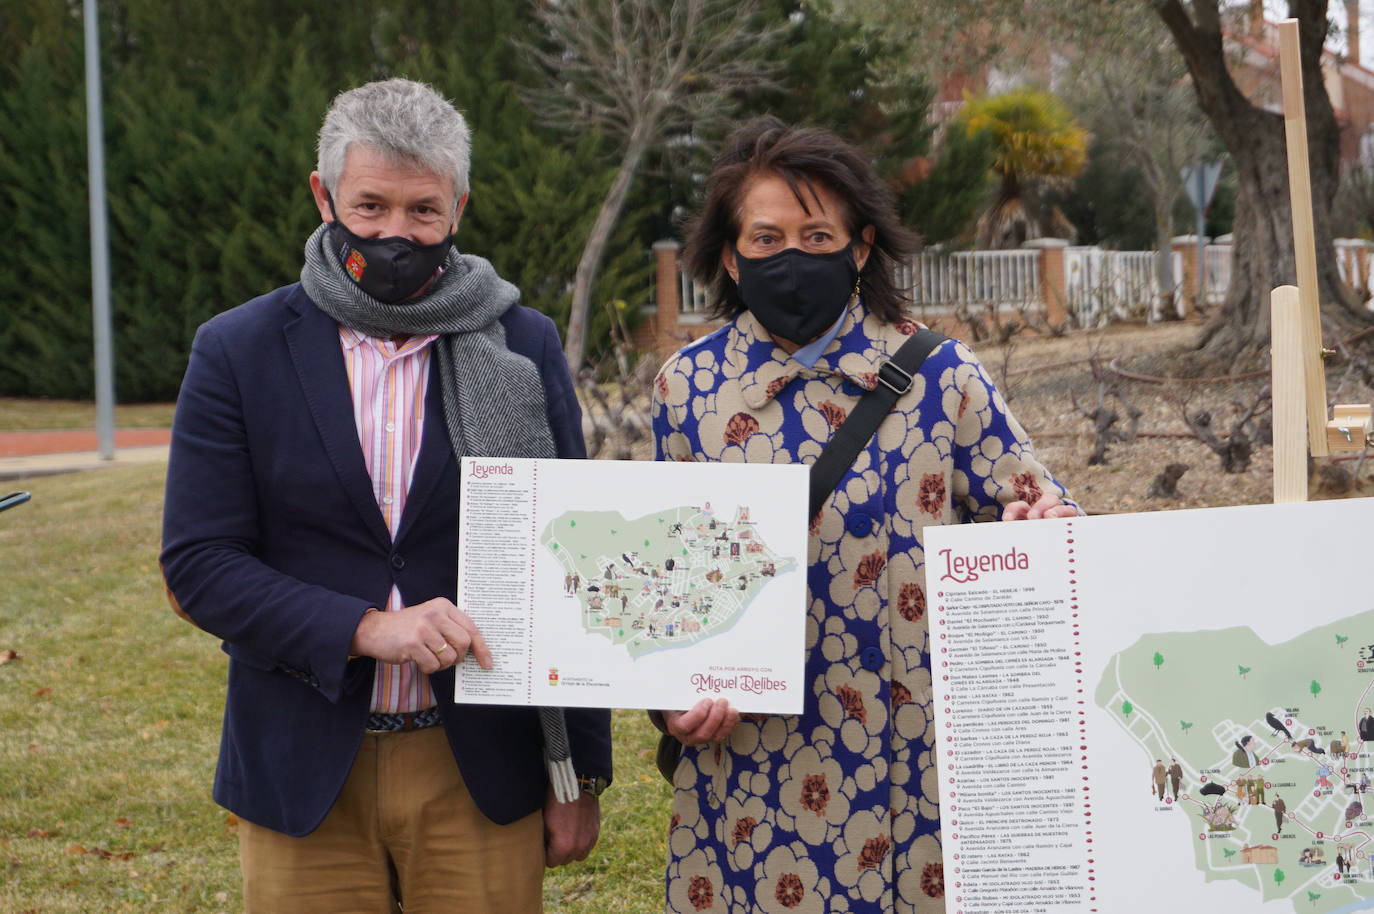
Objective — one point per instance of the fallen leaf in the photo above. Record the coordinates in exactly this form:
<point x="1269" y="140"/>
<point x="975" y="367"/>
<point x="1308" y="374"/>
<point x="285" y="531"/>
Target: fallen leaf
<point x="122" y="822"/>
<point x="74" y="849"/>
<point x="39" y="833"/>
<point x="15" y="862"/>
<point x="42" y="692"/>
<point x="7" y="656"/>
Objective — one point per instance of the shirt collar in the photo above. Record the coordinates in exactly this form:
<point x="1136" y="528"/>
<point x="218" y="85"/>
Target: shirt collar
<point x="809" y="353"/>
<point x="352" y="339"/>
<point x="859" y="346"/>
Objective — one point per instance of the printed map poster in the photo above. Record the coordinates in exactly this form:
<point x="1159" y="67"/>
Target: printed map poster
<point x="1157" y="712"/>
<point x="621" y="584"/>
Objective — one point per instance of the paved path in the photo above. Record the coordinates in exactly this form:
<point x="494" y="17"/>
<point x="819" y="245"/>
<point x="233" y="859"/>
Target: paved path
<point x="63" y="441"/>
<point x="44" y="453"/>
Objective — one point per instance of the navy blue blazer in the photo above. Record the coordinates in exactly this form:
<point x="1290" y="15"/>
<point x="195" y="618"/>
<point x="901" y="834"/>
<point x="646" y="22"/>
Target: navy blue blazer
<point x="273" y="541"/>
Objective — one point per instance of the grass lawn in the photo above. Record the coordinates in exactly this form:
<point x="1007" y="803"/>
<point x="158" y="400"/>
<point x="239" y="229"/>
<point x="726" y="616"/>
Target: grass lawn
<point x="111" y="721"/>
<point x="23" y="415"/>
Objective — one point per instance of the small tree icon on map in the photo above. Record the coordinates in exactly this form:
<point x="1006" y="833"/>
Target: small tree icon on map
<point x="1159" y="660"/>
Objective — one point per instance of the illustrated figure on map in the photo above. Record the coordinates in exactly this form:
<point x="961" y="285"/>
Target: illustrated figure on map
<point x="1338" y="745"/>
<point x="1175" y="777"/>
<point x="1242" y="784"/>
<point x="797" y="242"/>
<point x="1157" y="775"/>
<point x="1365" y="727"/>
<point x="1340" y="862"/>
<point x="1280" y="809"/>
<point x="1277" y="724"/>
<point x="1363" y="784"/>
<point x="1243" y="757"/>
<point x="1324" y="776"/>
<point x="1354" y="811"/>
<point x="1257" y="791"/>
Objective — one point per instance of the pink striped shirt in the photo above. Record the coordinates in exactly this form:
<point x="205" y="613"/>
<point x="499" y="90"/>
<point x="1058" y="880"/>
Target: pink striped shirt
<point x="388" y="384"/>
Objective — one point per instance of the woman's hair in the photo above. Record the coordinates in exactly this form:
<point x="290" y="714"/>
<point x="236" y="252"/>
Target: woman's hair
<point x="803" y="157"/>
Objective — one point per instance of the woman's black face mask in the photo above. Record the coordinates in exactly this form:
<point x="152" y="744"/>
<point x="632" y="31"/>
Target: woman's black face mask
<point x="797" y="295"/>
<point x="389" y="269"/>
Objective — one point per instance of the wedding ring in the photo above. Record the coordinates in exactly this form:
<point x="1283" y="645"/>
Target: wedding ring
<point x="439" y="650"/>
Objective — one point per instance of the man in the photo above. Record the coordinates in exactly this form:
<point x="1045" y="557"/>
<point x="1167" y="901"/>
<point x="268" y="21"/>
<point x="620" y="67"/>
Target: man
<point x="1280" y="809"/>
<point x="1175" y="777"/>
<point x="1157" y="780"/>
<point x="311" y="523"/>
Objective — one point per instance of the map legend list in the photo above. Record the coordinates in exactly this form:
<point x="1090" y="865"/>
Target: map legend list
<point x="1013" y="753"/>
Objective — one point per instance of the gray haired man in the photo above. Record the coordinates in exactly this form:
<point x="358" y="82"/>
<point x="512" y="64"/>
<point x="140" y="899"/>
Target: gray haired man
<point x="311" y="524"/>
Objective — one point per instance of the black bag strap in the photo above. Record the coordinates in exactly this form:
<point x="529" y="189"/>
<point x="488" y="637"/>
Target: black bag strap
<point x="894" y="379"/>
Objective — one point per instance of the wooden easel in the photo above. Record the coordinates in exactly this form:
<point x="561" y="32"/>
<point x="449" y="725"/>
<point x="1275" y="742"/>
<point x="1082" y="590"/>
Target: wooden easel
<point x="1299" y="379"/>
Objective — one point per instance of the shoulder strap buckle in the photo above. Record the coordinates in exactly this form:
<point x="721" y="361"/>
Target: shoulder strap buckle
<point x="894" y="377"/>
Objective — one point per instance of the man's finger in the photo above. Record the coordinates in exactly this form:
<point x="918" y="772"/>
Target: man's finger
<point x="474" y="641"/>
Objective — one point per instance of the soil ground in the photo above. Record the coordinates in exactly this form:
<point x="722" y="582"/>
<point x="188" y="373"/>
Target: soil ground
<point x="1042" y="376"/>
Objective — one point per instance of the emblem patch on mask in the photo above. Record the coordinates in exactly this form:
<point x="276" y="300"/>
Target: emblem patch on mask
<point x="355" y="265"/>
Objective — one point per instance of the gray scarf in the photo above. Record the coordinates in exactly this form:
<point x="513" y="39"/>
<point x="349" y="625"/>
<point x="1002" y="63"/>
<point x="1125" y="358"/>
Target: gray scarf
<point x="494" y="404"/>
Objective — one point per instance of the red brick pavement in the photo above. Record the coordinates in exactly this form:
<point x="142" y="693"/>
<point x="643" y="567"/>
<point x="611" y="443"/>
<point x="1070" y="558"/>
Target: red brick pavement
<point x="29" y="443"/>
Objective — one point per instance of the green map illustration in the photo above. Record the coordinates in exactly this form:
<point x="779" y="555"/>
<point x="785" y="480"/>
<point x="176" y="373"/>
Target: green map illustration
<point x="1266" y="750"/>
<point x="665" y="580"/>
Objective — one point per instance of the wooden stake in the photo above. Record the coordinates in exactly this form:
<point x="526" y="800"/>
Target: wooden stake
<point x="1304" y="239"/>
<point x="1290" y="414"/>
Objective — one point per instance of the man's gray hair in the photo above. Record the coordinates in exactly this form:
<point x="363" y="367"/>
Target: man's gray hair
<point x="406" y="121"/>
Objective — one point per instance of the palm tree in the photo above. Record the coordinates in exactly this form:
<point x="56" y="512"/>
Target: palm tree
<point x="1038" y="145"/>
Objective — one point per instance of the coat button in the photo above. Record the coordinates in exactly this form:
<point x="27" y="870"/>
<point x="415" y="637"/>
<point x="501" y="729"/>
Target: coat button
<point x="871" y="659"/>
<point x="398" y="562"/>
<point x="859" y="524"/>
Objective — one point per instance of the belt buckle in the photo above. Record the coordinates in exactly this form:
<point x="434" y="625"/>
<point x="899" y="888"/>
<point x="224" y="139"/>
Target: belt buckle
<point x="903" y="374"/>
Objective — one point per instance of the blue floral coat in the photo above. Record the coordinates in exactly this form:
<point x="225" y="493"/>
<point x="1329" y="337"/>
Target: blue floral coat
<point x="836" y="810"/>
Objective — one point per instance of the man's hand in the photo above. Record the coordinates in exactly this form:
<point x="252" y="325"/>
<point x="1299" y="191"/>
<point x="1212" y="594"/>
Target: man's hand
<point x="434" y="634"/>
<point x="710" y="721"/>
<point x="1045" y="506"/>
<point x="570" y="829"/>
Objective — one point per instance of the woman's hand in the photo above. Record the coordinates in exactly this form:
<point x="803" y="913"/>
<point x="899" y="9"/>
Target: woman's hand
<point x="709" y="721"/>
<point x="1045" y="506"/>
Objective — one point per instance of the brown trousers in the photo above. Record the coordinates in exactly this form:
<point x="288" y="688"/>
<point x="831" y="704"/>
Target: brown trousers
<point x="404" y="835"/>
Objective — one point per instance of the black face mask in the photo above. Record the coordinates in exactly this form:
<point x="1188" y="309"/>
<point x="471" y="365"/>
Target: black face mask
<point x="797" y="295"/>
<point x="389" y="269"/>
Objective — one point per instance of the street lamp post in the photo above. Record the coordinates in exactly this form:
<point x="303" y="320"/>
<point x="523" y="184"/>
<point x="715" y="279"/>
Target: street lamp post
<point x="100" y="246"/>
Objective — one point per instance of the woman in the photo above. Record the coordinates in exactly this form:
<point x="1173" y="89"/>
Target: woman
<point x="836" y="809"/>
